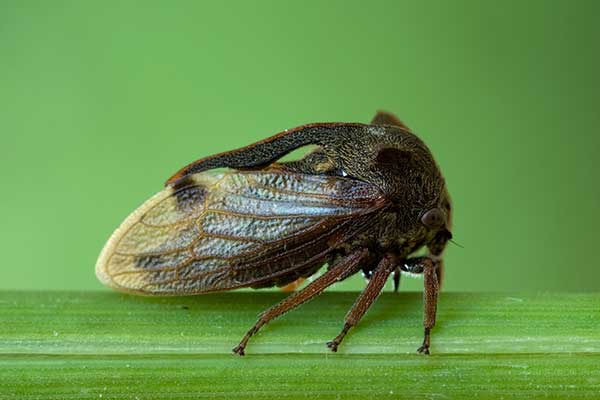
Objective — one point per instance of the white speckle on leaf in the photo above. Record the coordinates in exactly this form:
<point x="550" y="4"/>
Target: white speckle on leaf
<point x="515" y="299"/>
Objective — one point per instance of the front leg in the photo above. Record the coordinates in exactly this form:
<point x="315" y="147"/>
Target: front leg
<point x="428" y="267"/>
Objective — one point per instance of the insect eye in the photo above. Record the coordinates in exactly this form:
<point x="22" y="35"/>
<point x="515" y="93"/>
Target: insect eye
<point x="433" y="218"/>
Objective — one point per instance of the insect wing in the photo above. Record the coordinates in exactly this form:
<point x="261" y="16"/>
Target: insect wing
<point x="237" y="229"/>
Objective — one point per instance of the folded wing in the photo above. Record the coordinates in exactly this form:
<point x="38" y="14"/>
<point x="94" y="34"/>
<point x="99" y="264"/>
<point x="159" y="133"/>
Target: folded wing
<point x="237" y="229"/>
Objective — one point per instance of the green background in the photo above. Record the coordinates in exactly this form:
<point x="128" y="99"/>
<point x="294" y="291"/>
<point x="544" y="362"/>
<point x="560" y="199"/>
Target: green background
<point x="100" y="102"/>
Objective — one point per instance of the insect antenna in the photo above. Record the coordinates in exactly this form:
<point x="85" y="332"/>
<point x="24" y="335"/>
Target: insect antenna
<point x="457" y="244"/>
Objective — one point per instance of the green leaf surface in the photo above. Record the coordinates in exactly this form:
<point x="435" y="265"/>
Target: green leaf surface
<point x="58" y="345"/>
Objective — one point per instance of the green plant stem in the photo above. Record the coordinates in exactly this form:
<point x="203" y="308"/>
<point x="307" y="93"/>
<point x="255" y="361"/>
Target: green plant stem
<point x="90" y="345"/>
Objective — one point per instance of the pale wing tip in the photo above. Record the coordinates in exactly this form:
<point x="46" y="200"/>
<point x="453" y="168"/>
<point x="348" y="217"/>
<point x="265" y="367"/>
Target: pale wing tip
<point x="111" y="245"/>
<point x="104" y="257"/>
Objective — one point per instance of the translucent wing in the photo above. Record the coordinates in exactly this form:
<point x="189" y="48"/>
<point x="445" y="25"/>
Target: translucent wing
<point x="222" y="231"/>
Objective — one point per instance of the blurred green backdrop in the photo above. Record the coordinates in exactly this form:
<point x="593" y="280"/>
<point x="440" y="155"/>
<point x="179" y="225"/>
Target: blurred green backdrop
<point x="101" y="101"/>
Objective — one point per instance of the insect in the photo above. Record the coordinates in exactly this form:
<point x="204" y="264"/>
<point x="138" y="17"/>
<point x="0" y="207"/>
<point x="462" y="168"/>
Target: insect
<point x="366" y="198"/>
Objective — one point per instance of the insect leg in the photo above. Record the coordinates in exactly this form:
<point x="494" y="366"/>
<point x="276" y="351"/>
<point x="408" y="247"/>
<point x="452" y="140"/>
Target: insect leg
<point x="433" y="268"/>
<point x="428" y="266"/>
<point x="397" y="275"/>
<point x="367" y="297"/>
<point x="430" y="296"/>
<point x="340" y="271"/>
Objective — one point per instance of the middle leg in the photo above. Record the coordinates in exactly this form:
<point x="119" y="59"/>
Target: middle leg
<point x="365" y="300"/>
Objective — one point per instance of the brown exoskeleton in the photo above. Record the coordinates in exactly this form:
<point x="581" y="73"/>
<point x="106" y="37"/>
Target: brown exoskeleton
<point x="366" y="198"/>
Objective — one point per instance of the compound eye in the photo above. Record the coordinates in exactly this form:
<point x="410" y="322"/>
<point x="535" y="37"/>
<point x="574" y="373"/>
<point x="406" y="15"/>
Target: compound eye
<point x="434" y="218"/>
